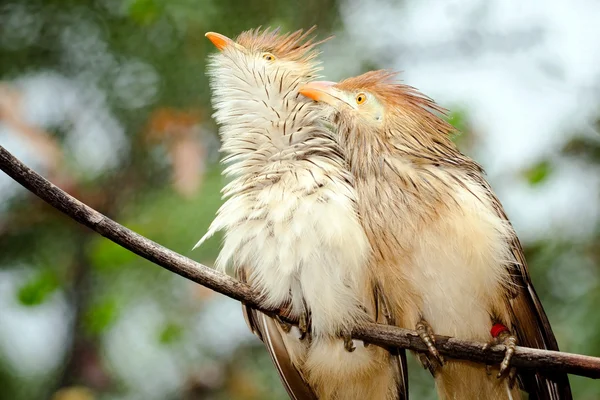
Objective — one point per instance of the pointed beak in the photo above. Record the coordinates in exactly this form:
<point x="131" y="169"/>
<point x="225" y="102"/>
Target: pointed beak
<point x="323" y="91"/>
<point x="220" y="41"/>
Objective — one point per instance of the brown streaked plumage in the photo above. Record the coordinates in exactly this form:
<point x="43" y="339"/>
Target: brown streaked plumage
<point x="445" y="252"/>
<point x="290" y="220"/>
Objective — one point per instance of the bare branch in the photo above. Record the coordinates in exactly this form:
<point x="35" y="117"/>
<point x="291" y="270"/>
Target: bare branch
<point x="383" y="335"/>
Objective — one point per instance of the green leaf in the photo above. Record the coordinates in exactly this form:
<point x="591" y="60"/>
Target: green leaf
<point x="38" y="289"/>
<point x="538" y="173"/>
<point x="170" y="334"/>
<point x="100" y="316"/>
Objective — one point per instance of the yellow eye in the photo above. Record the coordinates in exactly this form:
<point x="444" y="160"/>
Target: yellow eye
<point x="361" y="98"/>
<point x="268" y="57"/>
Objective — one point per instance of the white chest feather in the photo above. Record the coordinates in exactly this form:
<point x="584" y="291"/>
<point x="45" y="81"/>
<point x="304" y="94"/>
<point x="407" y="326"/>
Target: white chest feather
<point x="289" y="218"/>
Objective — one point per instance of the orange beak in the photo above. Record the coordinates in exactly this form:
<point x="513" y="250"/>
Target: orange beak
<point x="220" y="41"/>
<point x="323" y="91"/>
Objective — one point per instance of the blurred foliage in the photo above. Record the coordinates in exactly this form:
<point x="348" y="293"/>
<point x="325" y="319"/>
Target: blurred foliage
<point x="584" y="147"/>
<point x="463" y="136"/>
<point x="538" y="173"/>
<point x="107" y="324"/>
<point x="37" y="290"/>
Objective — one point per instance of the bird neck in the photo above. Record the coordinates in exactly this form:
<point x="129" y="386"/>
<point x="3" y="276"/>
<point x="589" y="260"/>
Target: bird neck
<point x="267" y="129"/>
<point x="370" y="152"/>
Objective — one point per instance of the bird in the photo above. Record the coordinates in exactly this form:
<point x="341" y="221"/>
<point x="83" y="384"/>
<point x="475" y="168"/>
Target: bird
<point x="445" y="254"/>
<point x="290" y="221"/>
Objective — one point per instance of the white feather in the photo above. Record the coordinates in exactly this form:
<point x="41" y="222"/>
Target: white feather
<point x="289" y="218"/>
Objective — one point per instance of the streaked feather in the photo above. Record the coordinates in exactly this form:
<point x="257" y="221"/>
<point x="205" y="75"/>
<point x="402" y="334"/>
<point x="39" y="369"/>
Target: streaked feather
<point x="439" y="233"/>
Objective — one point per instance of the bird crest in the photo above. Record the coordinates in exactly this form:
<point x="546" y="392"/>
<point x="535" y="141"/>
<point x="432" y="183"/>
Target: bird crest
<point x="298" y="46"/>
<point x="404" y="100"/>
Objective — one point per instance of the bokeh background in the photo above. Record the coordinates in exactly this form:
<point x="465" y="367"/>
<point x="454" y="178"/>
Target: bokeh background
<point x="109" y="100"/>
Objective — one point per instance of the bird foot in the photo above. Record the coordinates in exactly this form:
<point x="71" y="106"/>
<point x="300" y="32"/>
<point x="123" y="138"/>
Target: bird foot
<point x="427" y="336"/>
<point x="349" y="343"/>
<point x="304" y="325"/>
<point x="427" y="364"/>
<point x="501" y="335"/>
<point x="302" y="330"/>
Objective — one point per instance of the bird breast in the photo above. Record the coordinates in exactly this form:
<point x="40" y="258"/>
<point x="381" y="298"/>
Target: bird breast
<point x="444" y="244"/>
<point x="289" y="219"/>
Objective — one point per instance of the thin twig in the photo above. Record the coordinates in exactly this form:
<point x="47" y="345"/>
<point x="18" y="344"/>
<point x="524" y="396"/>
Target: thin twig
<point x="383" y="335"/>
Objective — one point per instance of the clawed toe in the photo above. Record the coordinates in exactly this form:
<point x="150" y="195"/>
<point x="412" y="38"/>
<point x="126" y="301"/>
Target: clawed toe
<point x="427" y="364"/>
<point x="303" y="325"/>
<point x="301" y="331"/>
<point x="427" y="336"/>
<point x="348" y="342"/>
<point x="501" y="335"/>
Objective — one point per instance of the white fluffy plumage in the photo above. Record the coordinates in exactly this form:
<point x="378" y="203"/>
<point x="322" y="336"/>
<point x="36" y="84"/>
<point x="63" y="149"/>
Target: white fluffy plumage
<point x="289" y="218"/>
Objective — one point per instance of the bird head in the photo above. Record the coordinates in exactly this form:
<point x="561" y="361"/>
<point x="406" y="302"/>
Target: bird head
<point x="373" y="103"/>
<point x="375" y="115"/>
<point x="374" y="99"/>
<point x="255" y="80"/>
<point x="267" y="50"/>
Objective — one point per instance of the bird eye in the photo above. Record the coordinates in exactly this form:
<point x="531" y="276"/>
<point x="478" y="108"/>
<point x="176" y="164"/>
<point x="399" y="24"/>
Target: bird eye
<point x="268" y="57"/>
<point x="361" y="98"/>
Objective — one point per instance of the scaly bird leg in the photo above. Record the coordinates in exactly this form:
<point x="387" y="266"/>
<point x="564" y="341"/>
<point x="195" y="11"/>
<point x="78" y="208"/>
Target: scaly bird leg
<point x="501" y="335"/>
<point x="427" y="336"/>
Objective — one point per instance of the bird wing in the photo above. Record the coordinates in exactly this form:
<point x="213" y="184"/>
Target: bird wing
<point x="399" y="356"/>
<point x="384" y="315"/>
<point x="530" y="322"/>
<point x="268" y="331"/>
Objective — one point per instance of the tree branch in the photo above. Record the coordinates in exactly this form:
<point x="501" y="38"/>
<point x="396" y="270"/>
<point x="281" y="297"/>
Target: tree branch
<point x="387" y="336"/>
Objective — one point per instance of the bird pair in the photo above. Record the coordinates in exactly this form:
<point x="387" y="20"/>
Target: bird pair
<point x="348" y="203"/>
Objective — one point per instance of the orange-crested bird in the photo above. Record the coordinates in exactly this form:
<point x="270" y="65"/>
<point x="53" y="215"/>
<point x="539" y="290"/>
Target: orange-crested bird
<point x="290" y="221"/>
<point x="446" y="257"/>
